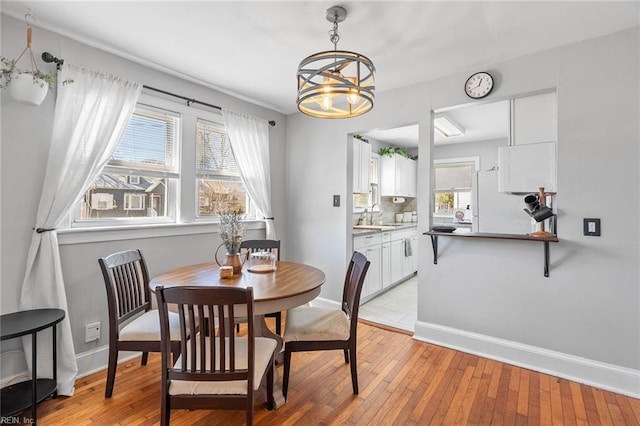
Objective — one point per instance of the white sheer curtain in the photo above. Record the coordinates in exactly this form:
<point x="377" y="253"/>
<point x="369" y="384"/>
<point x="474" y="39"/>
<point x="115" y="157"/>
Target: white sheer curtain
<point x="249" y="137"/>
<point x="92" y="110"/>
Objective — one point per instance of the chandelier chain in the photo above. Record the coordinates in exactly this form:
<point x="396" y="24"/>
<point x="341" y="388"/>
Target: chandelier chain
<point x="334" y="37"/>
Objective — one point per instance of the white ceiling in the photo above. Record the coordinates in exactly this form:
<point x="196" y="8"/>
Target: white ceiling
<point x="252" y="49"/>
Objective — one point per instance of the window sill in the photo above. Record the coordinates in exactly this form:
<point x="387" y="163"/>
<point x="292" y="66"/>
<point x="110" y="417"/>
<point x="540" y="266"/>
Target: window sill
<point x="132" y="232"/>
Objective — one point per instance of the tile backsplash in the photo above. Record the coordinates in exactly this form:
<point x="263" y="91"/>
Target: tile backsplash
<point x="389" y="209"/>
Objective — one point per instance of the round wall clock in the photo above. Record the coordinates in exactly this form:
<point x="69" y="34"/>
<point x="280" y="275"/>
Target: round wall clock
<point x="479" y="85"/>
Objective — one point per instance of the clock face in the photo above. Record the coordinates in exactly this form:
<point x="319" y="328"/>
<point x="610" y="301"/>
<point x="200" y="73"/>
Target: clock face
<point x="479" y="85"/>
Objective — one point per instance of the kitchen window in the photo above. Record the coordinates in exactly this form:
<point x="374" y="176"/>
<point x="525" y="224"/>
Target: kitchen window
<point x="453" y="186"/>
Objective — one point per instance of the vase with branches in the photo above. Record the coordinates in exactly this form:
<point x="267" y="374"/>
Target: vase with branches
<point x="231" y="230"/>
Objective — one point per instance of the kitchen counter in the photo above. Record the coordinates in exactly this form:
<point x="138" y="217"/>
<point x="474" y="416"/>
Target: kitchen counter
<point x="359" y="230"/>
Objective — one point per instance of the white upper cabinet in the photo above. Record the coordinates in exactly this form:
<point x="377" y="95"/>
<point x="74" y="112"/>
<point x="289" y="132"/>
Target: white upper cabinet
<point x="361" y="161"/>
<point x="398" y="176"/>
<point x="534" y="119"/>
<point x="529" y="163"/>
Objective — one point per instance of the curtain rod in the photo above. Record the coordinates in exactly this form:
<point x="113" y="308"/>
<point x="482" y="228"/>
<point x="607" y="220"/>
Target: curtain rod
<point x="191" y="100"/>
<point x="49" y="58"/>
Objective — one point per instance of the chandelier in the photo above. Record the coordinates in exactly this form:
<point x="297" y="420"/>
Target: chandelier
<point x="335" y="83"/>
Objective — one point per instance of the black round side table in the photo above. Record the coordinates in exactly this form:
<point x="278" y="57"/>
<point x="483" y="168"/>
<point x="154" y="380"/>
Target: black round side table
<point x="20" y="396"/>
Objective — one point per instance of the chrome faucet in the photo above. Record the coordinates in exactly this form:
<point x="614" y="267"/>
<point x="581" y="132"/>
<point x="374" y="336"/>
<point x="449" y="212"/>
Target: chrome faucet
<point x="379" y="211"/>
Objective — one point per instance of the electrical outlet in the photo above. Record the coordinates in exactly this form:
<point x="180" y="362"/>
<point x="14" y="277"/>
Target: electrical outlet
<point x="91" y="332"/>
<point x="591" y="227"/>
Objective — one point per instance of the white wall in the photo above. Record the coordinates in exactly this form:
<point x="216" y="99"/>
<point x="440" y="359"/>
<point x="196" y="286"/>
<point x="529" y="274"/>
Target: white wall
<point x="581" y="322"/>
<point x="25" y="143"/>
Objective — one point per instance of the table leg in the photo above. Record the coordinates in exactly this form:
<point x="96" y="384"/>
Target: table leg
<point x="261" y="330"/>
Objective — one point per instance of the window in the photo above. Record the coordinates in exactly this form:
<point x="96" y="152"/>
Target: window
<point x="153" y="168"/>
<point x="218" y="178"/>
<point x="143" y="171"/>
<point x="134" y="201"/>
<point x="453" y="186"/>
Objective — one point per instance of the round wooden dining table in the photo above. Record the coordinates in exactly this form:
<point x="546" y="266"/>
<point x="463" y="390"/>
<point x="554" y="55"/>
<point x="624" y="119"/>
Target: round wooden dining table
<point x="291" y="284"/>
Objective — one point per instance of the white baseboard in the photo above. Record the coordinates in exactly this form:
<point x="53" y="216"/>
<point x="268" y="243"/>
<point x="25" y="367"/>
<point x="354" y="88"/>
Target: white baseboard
<point x="89" y="362"/>
<point x="610" y="377"/>
<point x="95" y="360"/>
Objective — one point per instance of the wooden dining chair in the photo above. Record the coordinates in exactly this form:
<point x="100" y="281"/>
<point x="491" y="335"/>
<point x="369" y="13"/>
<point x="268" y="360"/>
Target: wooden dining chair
<point x="215" y="369"/>
<point x="273" y="246"/>
<point x="310" y="328"/>
<point x="133" y="324"/>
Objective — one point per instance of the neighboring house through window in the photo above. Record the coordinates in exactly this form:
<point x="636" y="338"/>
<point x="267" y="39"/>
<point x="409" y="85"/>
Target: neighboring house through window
<point x="217" y="174"/>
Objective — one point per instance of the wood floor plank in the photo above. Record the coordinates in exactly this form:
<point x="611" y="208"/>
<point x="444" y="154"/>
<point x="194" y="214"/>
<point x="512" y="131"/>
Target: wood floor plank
<point x="402" y="382"/>
<point x="603" y="408"/>
<point x="579" y="408"/>
<point x="533" y="416"/>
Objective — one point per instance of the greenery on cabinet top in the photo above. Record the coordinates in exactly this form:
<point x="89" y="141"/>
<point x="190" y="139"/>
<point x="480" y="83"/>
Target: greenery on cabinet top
<point x="390" y="150"/>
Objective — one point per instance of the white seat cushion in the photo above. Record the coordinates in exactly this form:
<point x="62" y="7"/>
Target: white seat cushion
<point x="264" y="348"/>
<point x="146" y="327"/>
<point x="307" y="323"/>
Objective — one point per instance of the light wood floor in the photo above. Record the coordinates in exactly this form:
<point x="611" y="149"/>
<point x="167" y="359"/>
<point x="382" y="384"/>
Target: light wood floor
<point x="402" y="382"/>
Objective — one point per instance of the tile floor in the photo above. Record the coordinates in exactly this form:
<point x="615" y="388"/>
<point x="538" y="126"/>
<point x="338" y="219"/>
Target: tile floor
<point x="397" y="307"/>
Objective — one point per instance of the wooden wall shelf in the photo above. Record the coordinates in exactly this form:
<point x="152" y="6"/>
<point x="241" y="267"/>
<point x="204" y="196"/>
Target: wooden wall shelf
<point x="520" y="237"/>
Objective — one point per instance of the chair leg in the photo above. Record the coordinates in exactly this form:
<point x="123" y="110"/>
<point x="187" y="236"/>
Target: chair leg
<point x="279" y="323"/>
<point x="145" y="357"/>
<point x="250" y="412"/>
<point x="111" y="370"/>
<point x="165" y="411"/>
<point x="285" y="374"/>
<point x="271" y="403"/>
<point x="354" y="370"/>
<point x="346" y="356"/>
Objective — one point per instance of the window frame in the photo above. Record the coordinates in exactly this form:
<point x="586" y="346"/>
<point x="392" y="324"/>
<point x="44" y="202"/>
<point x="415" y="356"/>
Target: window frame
<point x="128" y="196"/>
<point x="250" y="210"/>
<point x="182" y="194"/>
<point x="472" y="190"/>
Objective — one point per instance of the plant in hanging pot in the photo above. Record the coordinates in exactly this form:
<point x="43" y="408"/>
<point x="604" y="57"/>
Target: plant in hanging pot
<point x="27" y="87"/>
<point x="231" y="230"/>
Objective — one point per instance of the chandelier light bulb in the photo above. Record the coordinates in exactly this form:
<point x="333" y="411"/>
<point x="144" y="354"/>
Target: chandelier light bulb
<point x="327" y="102"/>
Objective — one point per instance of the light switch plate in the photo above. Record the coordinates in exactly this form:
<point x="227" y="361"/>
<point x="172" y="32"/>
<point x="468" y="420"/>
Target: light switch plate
<point x="336" y="201"/>
<point x="591" y="227"/>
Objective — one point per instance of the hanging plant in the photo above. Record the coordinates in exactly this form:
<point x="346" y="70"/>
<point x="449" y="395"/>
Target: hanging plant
<point x="29" y="87"/>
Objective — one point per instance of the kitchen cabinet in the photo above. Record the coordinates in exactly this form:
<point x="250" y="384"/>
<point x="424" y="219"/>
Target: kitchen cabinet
<point x="385" y="270"/>
<point x="535" y="119"/>
<point x="373" y="282"/>
<point x="398" y="176"/>
<point x="397" y="260"/>
<point x="371" y="247"/>
<point x="410" y="259"/>
<point x="527" y="168"/>
<point x="361" y="166"/>
<point x="387" y="253"/>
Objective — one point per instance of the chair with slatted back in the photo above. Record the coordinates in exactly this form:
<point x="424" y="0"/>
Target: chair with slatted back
<point x="216" y="370"/>
<point x="133" y="325"/>
<point x="310" y="328"/>
<point x="272" y="246"/>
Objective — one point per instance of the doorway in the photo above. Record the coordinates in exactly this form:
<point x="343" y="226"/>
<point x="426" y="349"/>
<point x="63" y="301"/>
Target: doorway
<point x="393" y="300"/>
